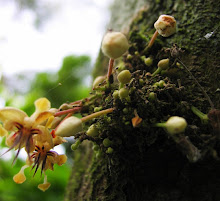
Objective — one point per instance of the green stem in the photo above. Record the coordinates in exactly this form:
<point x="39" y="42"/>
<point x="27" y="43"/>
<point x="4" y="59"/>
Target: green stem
<point x="161" y="125"/>
<point x="97" y="114"/>
<point x="121" y="85"/>
<point x="204" y="117"/>
<point x="157" y="72"/>
<point x="110" y="67"/>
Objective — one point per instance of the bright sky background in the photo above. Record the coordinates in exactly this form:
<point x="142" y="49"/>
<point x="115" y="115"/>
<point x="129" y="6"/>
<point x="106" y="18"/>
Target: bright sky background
<point x="76" y="28"/>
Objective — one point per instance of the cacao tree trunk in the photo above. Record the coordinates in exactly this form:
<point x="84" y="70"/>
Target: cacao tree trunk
<point x="147" y="163"/>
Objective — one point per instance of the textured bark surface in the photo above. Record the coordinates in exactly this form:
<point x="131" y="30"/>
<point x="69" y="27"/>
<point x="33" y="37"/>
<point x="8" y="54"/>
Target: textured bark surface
<point x="147" y="164"/>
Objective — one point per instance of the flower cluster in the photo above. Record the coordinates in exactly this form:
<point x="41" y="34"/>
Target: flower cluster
<point x="33" y="134"/>
<point x="40" y="133"/>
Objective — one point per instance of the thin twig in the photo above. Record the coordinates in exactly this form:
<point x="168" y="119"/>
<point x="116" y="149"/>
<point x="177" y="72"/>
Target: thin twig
<point x="203" y="91"/>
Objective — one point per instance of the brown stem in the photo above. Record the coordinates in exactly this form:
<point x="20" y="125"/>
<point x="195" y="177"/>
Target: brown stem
<point x="76" y="102"/>
<point x="73" y="110"/>
<point x="151" y="42"/>
<point x="152" y="39"/>
<point x="110" y="67"/>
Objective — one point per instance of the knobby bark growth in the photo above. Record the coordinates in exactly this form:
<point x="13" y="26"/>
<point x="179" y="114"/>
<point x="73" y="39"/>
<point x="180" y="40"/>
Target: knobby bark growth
<point x="146" y="163"/>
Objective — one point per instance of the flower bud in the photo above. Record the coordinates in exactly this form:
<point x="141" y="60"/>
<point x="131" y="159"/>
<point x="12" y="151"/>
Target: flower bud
<point x="69" y="127"/>
<point x="114" y="44"/>
<point x="165" y="25"/>
<point x="163" y="64"/>
<point x="97" y="81"/>
<point x="109" y="150"/>
<point x="152" y="96"/>
<point x="161" y="83"/>
<point x="124" y="76"/>
<point x="107" y="142"/>
<point x="92" y="131"/>
<point x="123" y="93"/>
<point x="148" y="61"/>
<point x="76" y="145"/>
<point x="175" y="125"/>
<point x="115" y="94"/>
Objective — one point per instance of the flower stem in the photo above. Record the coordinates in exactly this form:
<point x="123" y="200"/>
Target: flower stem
<point x="97" y="114"/>
<point x="73" y="110"/>
<point x="161" y="125"/>
<point x="151" y="42"/>
<point x="204" y="117"/>
<point x="110" y="67"/>
<point x="153" y="39"/>
<point x="156" y="72"/>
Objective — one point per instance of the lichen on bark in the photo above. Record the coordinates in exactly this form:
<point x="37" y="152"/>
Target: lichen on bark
<point x="146" y="163"/>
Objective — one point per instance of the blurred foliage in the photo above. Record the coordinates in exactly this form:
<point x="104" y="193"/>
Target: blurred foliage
<point x="68" y="84"/>
<point x="10" y="191"/>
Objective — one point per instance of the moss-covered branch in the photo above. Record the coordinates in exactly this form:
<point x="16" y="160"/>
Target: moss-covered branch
<point x="144" y="162"/>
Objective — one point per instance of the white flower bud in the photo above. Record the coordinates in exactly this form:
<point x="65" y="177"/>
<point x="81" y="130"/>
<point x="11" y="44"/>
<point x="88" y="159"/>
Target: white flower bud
<point x="69" y="127"/>
<point x="175" y="125"/>
<point x="165" y="25"/>
<point x="97" y="81"/>
<point x="114" y="44"/>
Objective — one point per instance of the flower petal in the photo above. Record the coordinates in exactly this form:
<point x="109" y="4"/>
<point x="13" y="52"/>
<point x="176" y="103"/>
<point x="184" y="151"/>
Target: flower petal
<point x="42" y="104"/>
<point x="3" y="131"/>
<point x="43" y="137"/>
<point x="43" y="116"/>
<point x="12" y="114"/>
<point x="58" y="140"/>
<point x="44" y="186"/>
<point x="62" y="159"/>
<point x="19" y="178"/>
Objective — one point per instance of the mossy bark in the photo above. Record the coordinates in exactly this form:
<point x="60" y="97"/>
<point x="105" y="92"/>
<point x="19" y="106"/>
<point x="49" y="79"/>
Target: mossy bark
<point x="147" y="163"/>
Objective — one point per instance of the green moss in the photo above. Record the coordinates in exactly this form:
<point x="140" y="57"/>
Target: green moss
<point x="142" y="156"/>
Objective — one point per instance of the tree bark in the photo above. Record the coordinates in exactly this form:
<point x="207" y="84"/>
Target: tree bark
<point x="147" y="163"/>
